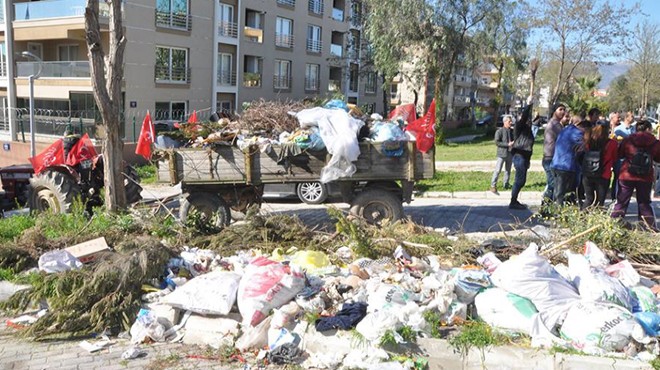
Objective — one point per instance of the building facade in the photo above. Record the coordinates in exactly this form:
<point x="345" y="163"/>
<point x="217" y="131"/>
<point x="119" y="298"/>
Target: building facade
<point x="181" y="55"/>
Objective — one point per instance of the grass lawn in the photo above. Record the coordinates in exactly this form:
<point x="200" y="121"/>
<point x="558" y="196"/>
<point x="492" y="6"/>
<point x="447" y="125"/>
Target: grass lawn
<point x="481" y="149"/>
<point x="475" y="181"/>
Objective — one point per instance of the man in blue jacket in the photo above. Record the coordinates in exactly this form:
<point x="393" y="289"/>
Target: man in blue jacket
<point x="569" y="145"/>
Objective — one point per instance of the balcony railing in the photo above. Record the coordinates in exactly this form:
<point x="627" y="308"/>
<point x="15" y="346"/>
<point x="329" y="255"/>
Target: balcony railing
<point x="228" y="29"/>
<point x="77" y="69"/>
<point x="3" y="69"/>
<point x="169" y="74"/>
<point x="338" y="14"/>
<point x="311" y="84"/>
<point x="284" y="40"/>
<point x="336" y="50"/>
<point x="253" y="34"/>
<point x="251" y="79"/>
<point x="227" y="78"/>
<point x="55" y="9"/>
<point x="314" y="46"/>
<point x="315" y="6"/>
<point x="174" y="20"/>
<point x="334" y="85"/>
<point x="287" y="2"/>
<point x="282" y="82"/>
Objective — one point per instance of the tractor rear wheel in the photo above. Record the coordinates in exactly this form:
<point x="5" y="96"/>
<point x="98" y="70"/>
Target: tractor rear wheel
<point x="54" y="191"/>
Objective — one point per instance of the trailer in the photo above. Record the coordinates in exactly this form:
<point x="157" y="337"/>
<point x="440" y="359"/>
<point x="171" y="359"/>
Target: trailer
<point x="219" y="179"/>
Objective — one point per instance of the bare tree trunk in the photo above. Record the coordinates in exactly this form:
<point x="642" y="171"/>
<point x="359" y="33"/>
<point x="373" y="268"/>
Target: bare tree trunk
<point x="106" y="83"/>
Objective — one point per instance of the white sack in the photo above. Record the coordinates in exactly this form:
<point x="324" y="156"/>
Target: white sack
<point x="209" y="294"/>
<point x="58" y="261"/>
<point x="504" y="310"/>
<point x="594" y="285"/>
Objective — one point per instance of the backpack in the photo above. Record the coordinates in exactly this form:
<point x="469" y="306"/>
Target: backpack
<point x="641" y="163"/>
<point x="591" y="163"/>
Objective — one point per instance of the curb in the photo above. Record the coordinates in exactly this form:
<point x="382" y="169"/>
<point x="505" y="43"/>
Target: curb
<point x="504" y="195"/>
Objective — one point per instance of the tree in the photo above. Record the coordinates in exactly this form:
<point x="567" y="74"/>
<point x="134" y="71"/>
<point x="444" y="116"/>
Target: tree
<point x="430" y="36"/>
<point x="107" y="73"/>
<point x="621" y="96"/>
<point x="583" y="98"/>
<point x="578" y="31"/>
<point x="644" y="54"/>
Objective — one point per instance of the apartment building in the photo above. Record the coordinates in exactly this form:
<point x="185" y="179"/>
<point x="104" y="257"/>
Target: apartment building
<point x="181" y="55"/>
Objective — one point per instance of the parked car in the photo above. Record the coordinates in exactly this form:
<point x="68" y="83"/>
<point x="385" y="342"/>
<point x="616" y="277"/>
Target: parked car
<point x="307" y="192"/>
<point x="485" y="121"/>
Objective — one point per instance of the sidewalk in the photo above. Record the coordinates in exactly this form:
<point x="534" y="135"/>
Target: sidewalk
<point x="530" y="196"/>
<point x="483" y="166"/>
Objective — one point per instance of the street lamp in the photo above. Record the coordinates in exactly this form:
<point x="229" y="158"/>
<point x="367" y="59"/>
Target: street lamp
<point x="31" y="78"/>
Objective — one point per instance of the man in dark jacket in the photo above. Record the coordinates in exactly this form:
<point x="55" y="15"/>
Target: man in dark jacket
<point x="552" y="130"/>
<point x="504" y="142"/>
<point x="644" y="140"/>
<point x="521" y="151"/>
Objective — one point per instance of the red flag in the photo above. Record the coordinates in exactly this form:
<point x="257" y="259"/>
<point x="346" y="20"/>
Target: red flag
<point x="53" y="155"/>
<point x="147" y="137"/>
<point x="424" y="129"/>
<point x="193" y="117"/>
<point x="405" y="111"/>
<point x="83" y="150"/>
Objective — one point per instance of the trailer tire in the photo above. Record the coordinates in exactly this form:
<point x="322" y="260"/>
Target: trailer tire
<point x="132" y="188"/>
<point x="210" y="205"/>
<point x="377" y="205"/>
<point x="312" y="192"/>
<point x="52" y="190"/>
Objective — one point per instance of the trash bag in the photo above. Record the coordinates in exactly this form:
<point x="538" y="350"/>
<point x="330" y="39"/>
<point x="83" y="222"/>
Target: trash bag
<point x="254" y="336"/>
<point x="470" y="282"/>
<point x="266" y="285"/>
<point x="336" y="104"/>
<point x="646" y="301"/>
<point x="389" y="297"/>
<point x="147" y="325"/>
<point x="58" y="261"/>
<point x="595" y="285"/>
<point x="598" y="328"/>
<point x="209" y="294"/>
<point x="313" y="262"/>
<point x="624" y="272"/>
<point x="650" y="321"/>
<point x="375" y="324"/>
<point x="504" y="310"/>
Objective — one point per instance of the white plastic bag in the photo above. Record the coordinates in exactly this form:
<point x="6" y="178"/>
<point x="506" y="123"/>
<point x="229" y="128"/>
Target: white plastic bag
<point x="265" y="286"/>
<point x="209" y="294"/>
<point x="389" y="297"/>
<point x="624" y="272"/>
<point x="58" y="261"/>
<point x="598" y="328"/>
<point x="147" y="325"/>
<point x="594" y="285"/>
<point x="375" y="324"/>
<point x="470" y="282"/>
<point x="254" y="336"/>
<point x="504" y="310"/>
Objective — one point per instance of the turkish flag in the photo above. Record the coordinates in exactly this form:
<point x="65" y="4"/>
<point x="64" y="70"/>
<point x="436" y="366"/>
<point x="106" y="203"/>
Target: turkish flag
<point x="424" y="129"/>
<point x="83" y="150"/>
<point x="53" y="155"/>
<point x="147" y="137"/>
<point x="405" y="111"/>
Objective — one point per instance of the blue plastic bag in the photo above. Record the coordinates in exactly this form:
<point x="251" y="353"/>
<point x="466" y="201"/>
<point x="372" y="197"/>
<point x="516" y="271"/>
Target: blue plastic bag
<point x="650" y="321"/>
<point x="336" y="104"/>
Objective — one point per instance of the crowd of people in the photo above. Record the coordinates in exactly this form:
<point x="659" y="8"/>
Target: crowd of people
<point x="586" y="159"/>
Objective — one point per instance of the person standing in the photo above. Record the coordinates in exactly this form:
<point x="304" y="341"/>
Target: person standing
<point x="570" y="143"/>
<point x="637" y="173"/>
<point x="552" y="130"/>
<point x="596" y="179"/>
<point x="626" y="128"/>
<point x="521" y="154"/>
<point x="504" y="142"/>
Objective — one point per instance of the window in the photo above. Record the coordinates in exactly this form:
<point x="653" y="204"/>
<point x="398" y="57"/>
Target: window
<point x="3" y="60"/>
<point x="172" y="65"/>
<point x="315" y="6"/>
<point x="225" y="70"/>
<point x="394" y="91"/>
<point x="226" y="25"/>
<point x="252" y="68"/>
<point x="291" y="3"/>
<point x="173" y="14"/>
<point x="67" y="53"/>
<point x="284" y="33"/>
<point x="370" y="85"/>
<point x="312" y="77"/>
<point x="253" y="30"/>
<point x="175" y="111"/>
<point x="313" y="38"/>
<point x="282" y="77"/>
<point x="224" y="107"/>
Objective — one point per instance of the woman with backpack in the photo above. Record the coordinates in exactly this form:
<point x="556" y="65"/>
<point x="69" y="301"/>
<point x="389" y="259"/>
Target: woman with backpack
<point x="599" y="157"/>
<point x="638" y="152"/>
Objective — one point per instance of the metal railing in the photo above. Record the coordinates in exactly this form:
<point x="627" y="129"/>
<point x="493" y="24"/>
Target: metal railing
<point x="168" y="74"/>
<point x="311" y="84"/>
<point x="284" y="40"/>
<point x="228" y="29"/>
<point x="72" y="69"/>
<point x="227" y="78"/>
<point x="253" y="34"/>
<point x="173" y="20"/>
<point x="314" y="46"/>
<point x="282" y="82"/>
<point x="3" y="69"/>
<point x="315" y="6"/>
<point x="55" y="9"/>
<point x="287" y="2"/>
<point x="251" y="79"/>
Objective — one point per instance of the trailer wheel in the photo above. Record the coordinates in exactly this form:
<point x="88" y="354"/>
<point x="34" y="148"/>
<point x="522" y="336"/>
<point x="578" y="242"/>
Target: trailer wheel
<point x="212" y="208"/>
<point x="377" y="205"/>
<point x="54" y="191"/>
<point x="312" y="192"/>
<point x="132" y="188"/>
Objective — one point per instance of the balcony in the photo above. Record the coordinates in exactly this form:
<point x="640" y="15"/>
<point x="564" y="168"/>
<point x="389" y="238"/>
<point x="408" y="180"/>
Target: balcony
<point x="291" y="3"/>
<point x="226" y="78"/>
<point x="77" y="69"/>
<point x="3" y="69"/>
<point x="282" y="82"/>
<point x="334" y="85"/>
<point x="253" y="34"/>
<point x="174" y="75"/>
<point x="180" y="21"/>
<point x="314" y="46"/>
<point x="315" y="7"/>
<point x="55" y="9"/>
<point x="251" y="79"/>
<point x="284" y="40"/>
<point x="338" y="14"/>
<point x="336" y="50"/>
<point x="311" y="84"/>
<point x="228" y="29"/>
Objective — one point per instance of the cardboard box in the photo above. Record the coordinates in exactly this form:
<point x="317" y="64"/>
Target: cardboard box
<point x="87" y="251"/>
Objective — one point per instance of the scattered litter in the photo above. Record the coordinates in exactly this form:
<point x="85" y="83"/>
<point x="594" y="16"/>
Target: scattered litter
<point x="89" y="250"/>
<point x="92" y="347"/>
<point x="58" y="261"/>
<point x="213" y="293"/>
<point x="133" y="353"/>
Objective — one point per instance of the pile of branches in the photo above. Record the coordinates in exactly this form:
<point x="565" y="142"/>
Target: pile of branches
<point x="270" y="116"/>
